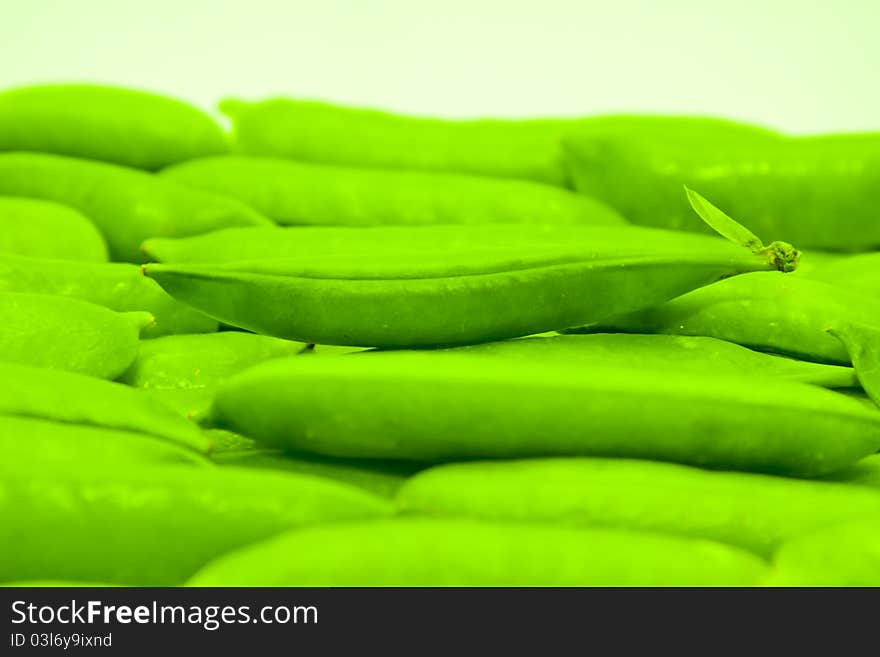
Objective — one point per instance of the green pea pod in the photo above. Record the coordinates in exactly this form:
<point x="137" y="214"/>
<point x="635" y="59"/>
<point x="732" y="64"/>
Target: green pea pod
<point x="154" y="525"/>
<point x="864" y="473"/>
<point x="858" y="273"/>
<point x="395" y="297"/>
<point x="33" y="392"/>
<point x="305" y="242"/>
<point x="43" y="229"/>
<point x="381" y="478"/>
<point x="29" y="444"/>
<point x="199" y="361"/>
<point x="763" y="310"/>
<point x="68" y="334"/>
<point x="421" y="552"/>
<point x="113" y="124"/>
<point x="664" y="352"/>
<point x="846" y="555"/>
<point x="184" y="370"/>
<point x="118" y="286"/>
<point x="527" y="149"/>
<point x="429" y="406"/>
<point x="862" y="343"/>
<point x="818" y="192"/>
<point x="127" y="205"/>
<point x="299" y="193"/>
<point x="754" y="512"/>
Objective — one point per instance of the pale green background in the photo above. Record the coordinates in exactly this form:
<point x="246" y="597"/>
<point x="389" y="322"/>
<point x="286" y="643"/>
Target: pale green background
<point x="803" y="66"/>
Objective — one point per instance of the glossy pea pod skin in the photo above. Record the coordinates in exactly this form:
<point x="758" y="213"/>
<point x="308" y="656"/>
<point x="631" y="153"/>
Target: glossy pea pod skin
<point x="300" y="193"/>
<point x="75" y="399"/>
<point x="128" y="206"/>
<point x="382" y="478"/>
<point x="783" y="314"/>
<point x="31" y="444"/>
<point x="667" y="352"/>
<point x="151" y="525"/>
<point x="112" y="124"/>
<point x="422" y="552"/>
<point x="397" y="298"/>
<point x="68" y="334"/>
<point x="42" y="229"/>
<point x="845" y="555"/>
<point x="525" y="149"/>
<point x="755" y="512"/>
<point x="817" y="192"/>
<point x="117" y="286"/>
<point x="306" y="242"/>
<point x="184" y="370"/>
<point x="440" y="406"/>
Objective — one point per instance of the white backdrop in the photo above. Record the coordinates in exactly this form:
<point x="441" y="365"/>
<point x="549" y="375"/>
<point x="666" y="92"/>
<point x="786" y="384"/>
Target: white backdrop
<point x="803" y="66"/>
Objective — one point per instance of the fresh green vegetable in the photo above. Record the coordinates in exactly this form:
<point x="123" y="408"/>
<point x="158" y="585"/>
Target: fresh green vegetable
<point x="134" y="128"/>
<point x="127" y="205"/>
<point x="755" y="512"/>
<point x="445" y="406"/>
<point x="68" y="334"/>
<point x="184" y="370"/>
<point x="394" y="297"/>
<point x="529" y="149"/>
<point x="858" y="273"/>
<point x="69" y="398"/>
<point x="862" y="343"/>
<point x="818" y="192"/>
<point x="663" y="352"/>
<point x="118" y="286"/>
<point x="421" y="552"/>
<point x="761" y="310"/>
<point x="43" y="229"/>
<point x="381" y="478"/>
<point x="298" y="193"/>
<point x="30" y="445"/>
<point x="154" y="526"/>
<point x="846" y="555"/>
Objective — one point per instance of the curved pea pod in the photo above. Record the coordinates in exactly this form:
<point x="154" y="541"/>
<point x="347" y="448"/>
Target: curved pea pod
<point x="68" y="334"/>
<point x="664" y="352"/>
<point x="857" y="273"/>
<point x="430" y="406"/>
<point x="305" y="242"/>
<point x="422" y="552"/>
<point x="763" y="310"/>
<point x="117" y="286"/>
<point x="29" y="444"/>
<point x="113" y="124"/>
<point x="754" y="512"/>
<point x="395" y="297"/>
<point x="864" y="473"/>
<point x="381" y="478"/>
<point x="818" y="192"/>
<point x="32" y="392"/>
<point x="42" y="229"/>
<point x="154" y="525"/>
<point x="846" y="555"/>
<point x="862" y="343"/>
<point x="184" y="370"/>
<point x="528" y="149"/>
<point x="299" y="193"/>
<point x="127" y="205"/>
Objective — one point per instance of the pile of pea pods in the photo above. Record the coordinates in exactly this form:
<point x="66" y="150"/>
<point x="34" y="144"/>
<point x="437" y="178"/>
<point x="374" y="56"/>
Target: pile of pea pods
<point x="316" y="345"/>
